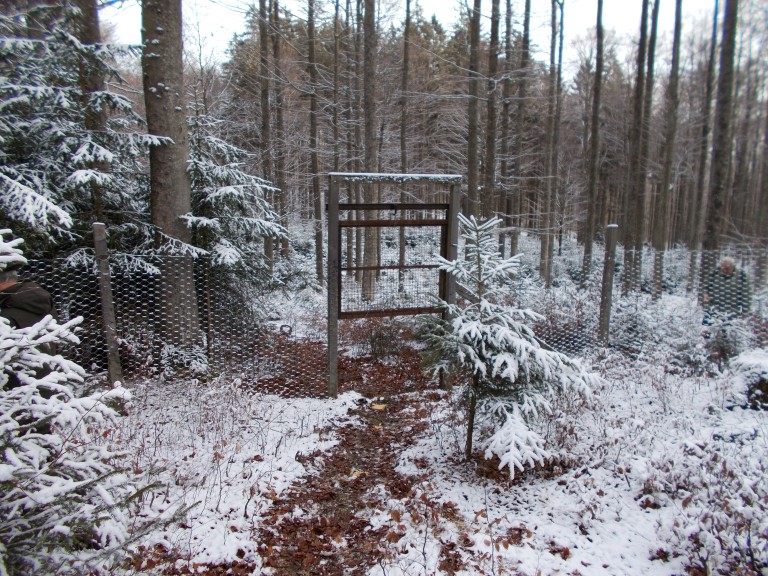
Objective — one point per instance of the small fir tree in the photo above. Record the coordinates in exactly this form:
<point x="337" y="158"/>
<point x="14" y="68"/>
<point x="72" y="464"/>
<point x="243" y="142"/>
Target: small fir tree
<point x="509" y="378"/>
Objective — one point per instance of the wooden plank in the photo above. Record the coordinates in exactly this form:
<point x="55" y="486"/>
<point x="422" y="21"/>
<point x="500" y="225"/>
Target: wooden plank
<point x="396" y="178"/>
<point x="391" y="223"/>
<point x="386" y="312"/>
<point x="394" y="267"/>
<point x="391" y="206"/>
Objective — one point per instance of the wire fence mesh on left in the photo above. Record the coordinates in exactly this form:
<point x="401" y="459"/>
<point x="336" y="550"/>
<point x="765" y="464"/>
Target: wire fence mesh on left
<point x="233" y="337"/>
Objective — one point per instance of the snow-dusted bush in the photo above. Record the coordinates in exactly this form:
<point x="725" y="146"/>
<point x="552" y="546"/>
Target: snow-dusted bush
<point x="508" y="377"/>
<point x="62" y="493"/>
<point x="751" y="371"/>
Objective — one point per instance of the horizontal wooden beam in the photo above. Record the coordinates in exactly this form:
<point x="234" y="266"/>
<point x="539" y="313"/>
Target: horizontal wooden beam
<point x="397" y="223"/>
<point x="382" y="313"/>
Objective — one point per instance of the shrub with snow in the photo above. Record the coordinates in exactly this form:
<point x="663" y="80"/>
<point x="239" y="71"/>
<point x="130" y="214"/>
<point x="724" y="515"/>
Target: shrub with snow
<point x="62" y="494"/>
<point x="509" y="378"/>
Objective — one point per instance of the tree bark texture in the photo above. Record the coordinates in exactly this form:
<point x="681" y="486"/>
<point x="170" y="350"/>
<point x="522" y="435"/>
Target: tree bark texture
<point x="170" y="195"/>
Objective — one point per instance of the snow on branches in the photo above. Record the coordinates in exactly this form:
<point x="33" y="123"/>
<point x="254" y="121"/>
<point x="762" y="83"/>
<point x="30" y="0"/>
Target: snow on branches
<point x="510" y="378"/>
<point x="63" y="496"/>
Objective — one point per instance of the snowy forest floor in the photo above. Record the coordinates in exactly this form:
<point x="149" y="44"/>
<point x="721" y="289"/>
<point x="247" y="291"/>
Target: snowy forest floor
<point x="662" y="471"/>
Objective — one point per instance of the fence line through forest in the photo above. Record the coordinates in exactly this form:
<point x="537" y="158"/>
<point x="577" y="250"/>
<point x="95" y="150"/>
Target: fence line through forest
<point x="289" y="355"/>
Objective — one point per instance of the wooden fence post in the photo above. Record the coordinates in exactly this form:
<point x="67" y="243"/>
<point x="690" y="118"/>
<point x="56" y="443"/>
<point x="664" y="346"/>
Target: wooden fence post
<point x="115" y="370"/>
<point x="609" y="267"/>
<point x="334" y="279"/>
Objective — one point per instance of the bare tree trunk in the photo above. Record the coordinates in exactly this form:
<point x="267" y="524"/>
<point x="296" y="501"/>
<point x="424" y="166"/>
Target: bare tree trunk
<point x="472" y="112"/>
<point x="403" y="136"/>
<point x="672" y="102"/>
<point x="518" y="199"/>
<point x="721" y="140"/>
<point x="358" y="132"/>
<point x="266" y="114"/>
<point x="369" y="110"/>
<point x="640" y="194"/>
<point x="506" y="108"/>
<point x="546" y="220"/>
<point x="314" y="143"/>
<point x="170" y="195"/>
<point x="762" y="212"/>
<point x="556" y="180"/>
<point x="699" y="207"/>
<point x="594" y="149"/>
<point x="279" y="126"/>
<point x="635" y="145"/>
<point x="488" y="200"/>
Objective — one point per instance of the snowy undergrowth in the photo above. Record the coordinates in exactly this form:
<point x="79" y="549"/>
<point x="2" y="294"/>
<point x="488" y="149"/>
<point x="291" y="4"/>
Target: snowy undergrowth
<point x="225" y="451"/>
<point x="664" y="468"/>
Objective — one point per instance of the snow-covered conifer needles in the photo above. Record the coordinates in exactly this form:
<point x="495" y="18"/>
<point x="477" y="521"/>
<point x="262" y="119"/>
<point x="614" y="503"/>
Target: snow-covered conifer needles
<point x="509" y="376"/>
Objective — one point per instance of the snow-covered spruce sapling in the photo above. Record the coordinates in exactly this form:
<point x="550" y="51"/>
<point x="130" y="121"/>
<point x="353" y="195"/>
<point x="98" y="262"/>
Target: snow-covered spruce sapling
<point x="63" y="498"/>
<point x="509" y="378"/>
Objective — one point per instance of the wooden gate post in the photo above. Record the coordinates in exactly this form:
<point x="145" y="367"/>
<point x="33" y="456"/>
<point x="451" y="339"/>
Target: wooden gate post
<point x="115" y="370"/>
<point x="609" y="267"/>
<point x="334" y="277"/>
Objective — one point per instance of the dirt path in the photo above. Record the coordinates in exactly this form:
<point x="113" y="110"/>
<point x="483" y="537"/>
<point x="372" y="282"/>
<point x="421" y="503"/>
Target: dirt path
<point x="321" y="526"/>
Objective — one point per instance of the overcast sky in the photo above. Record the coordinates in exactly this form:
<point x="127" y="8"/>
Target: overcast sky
<point x="218" y="20"/>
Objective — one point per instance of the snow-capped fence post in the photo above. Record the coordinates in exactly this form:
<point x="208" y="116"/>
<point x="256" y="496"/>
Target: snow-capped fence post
<point x="609" y="267"/>
<point x="115" y="370"/>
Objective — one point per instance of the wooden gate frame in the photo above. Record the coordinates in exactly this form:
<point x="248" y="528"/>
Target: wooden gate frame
<point x="448" y="246"/>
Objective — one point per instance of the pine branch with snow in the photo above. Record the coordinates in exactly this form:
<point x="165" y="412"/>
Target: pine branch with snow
<point x="64" y="494"/>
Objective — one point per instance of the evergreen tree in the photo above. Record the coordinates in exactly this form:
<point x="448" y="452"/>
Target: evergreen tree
<point x="509" y="379"/>
<point x="50" y="161"/>
<point x="230" y="214"/>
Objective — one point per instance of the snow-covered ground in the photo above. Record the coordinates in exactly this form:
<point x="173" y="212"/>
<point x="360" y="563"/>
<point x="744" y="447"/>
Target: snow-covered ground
<point x="662" y="467"/>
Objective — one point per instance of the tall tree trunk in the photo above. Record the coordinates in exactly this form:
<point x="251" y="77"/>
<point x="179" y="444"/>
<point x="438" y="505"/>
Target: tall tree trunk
<point x="518" y="199"/>
<point x="472" y="112"/>
<point x="170" y="195"/>
<point x="672" y="103"/>
<point x="640" y="184"/>
<point x="280" y="179"/>
<point x="403" y="136"/>
<point x="698" y="208"/>
<point x="721" y="140"/>
<point x="505" y="124"/>
<point x="266" y="113"/>
<point x="357" y="121"/>
<point x="91" y="83"/>
<point x="556" y="179"/>
<point x="635" y="145"/>
<point x="594" y="148"/>
<point x="762" y="211"/>
<point x="314" y="142"/>
<point x="488" y="200"/>
<point x="369" y="110"/>
<point x="549" y="162"/>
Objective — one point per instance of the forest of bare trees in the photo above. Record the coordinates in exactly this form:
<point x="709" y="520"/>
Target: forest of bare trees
<point x="670" y="144"/>
<point x="664" y="133"/>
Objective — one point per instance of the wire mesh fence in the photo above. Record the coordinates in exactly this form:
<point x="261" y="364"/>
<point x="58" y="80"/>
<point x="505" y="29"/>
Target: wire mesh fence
<point x="179" y="318"/>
